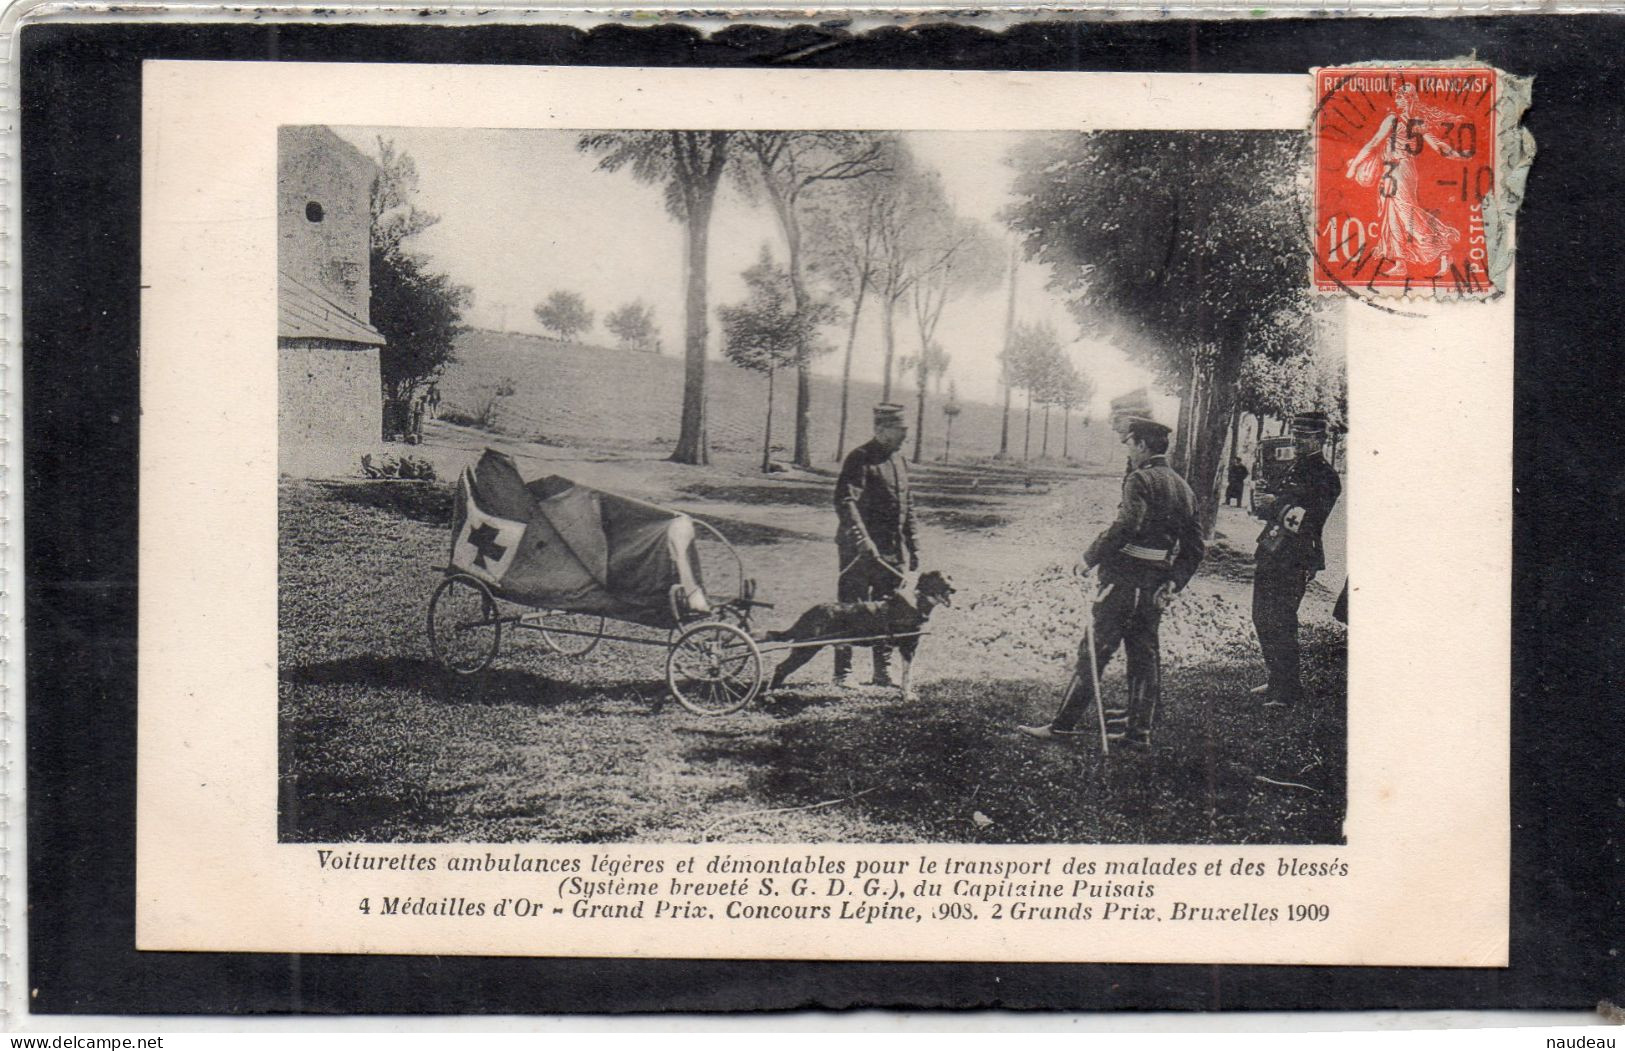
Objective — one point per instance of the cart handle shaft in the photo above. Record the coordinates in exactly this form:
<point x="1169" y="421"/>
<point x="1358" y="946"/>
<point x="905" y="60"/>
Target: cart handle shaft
<point x="859" y="640"/>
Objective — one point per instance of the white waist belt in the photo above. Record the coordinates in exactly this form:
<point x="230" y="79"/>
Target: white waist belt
<point x="1151" y="553"/>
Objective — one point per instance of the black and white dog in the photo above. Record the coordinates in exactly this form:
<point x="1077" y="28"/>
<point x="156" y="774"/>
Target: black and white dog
<point x="894" y="616"/>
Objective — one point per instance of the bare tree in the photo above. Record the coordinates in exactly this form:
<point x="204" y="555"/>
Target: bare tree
<point x="933" y="361"/>
<point x="1004" y="354"/>
<point x="911" y="207"/>
<point x="787" y="165"/>
<point x="689" y="164"/>
<point x="956" y="256"/>
<point x="845" y="257"/>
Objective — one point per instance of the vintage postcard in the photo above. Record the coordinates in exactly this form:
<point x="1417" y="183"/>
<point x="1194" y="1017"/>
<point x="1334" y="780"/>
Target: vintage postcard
<point x="825" y="515"/>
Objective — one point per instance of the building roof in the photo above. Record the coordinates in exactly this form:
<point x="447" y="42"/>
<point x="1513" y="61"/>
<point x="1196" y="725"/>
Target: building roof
<point x="304" y="313"/>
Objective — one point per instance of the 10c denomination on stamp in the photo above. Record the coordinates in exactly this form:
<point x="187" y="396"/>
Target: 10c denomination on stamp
<point x="1404" y="172"/>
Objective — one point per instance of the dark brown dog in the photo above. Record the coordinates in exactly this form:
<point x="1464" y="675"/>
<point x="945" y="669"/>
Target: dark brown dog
<point x="895" y="616"/>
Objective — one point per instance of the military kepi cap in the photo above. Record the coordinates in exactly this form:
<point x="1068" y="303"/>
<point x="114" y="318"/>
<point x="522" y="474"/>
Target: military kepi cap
<point x="1139" y="425"/>
<point x="1309" y="423"/>
<point x="1126" y="408"/>
<point x="887" y="412"/>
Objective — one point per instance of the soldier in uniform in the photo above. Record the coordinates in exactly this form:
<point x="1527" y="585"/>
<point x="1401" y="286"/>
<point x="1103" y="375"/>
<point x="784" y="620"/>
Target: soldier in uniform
<point x="1235" y="482"/>
<point x="875" y="538"/>
<point x="1289" y="555"/>
<point x="1142" y="558"/>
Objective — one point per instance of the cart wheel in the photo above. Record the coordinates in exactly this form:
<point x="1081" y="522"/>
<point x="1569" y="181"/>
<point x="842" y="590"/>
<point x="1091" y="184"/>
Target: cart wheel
<point x="464" y="632"/>
<point x="714" y="668"/>
<point x="584" y="633"/>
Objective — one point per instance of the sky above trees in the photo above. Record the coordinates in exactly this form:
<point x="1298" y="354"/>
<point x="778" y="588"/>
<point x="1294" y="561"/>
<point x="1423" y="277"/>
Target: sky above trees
<point x="524" y="213"/>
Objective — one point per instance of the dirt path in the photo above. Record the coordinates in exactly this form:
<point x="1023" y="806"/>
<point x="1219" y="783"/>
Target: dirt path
<point x="1008" y="548"/>
<point x="380" y="744"/>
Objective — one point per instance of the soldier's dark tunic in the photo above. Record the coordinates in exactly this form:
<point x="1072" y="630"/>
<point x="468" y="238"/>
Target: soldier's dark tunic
<point x="1237" y="479"/>
<point x="873" y="505"/>
<point x="1155" y="540"/>
<point x="1289" y="555"/>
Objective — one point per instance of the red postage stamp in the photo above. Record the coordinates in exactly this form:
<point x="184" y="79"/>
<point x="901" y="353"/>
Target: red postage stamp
<point x="1404" y="174"/>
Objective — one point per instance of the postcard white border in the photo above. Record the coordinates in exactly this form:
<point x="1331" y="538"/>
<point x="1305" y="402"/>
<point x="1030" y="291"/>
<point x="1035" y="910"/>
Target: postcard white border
<point x="1429" y="538"/>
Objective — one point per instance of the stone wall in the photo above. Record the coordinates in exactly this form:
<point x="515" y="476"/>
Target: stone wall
<point x="329" y="406"/>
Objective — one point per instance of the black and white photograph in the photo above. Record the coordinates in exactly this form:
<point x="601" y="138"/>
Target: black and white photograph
<point x="807" y="487"/>
<point x="655" y="517"/>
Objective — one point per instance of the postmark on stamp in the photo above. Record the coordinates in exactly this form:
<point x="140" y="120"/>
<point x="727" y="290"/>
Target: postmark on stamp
<point x="1417" y="171"/>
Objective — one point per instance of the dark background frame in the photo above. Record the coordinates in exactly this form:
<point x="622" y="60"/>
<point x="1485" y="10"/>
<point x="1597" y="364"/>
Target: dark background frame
<point x="80" y="166"/>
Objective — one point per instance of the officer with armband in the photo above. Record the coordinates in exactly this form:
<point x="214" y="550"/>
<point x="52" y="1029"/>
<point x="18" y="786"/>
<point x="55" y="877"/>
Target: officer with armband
<point x="1289" y="555"/>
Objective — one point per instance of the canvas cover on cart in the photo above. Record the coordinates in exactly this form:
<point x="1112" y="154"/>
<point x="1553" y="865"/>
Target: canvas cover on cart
<point x="554" y="544"/>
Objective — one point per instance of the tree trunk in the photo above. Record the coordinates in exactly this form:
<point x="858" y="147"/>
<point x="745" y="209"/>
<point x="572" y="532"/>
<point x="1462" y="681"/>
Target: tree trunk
<point x="1027" y="435"/>
<point x="767" y="433"/>
<point x="919" y="412"/>
<point x="1206" y="475"/>
<point x="1232" y="439"/>
<point x="1258" y="428"/>
<point x="1181" y="458"/>
<point x="783" y="200"/>
<point x="1044" y="449"/>
<point x="1004" y="425"/>
<point x="1199" y="408"/>
<point x="692" y="448"/>
<point x="888" y="335"/>
<point x="1066" y="433"/>
<point x="846" y="369"/>
<point x="1009" y="328"/>
<point x="802" y="454"/>
<point x="948" y="441"/>
<point x="1191" y="410"/>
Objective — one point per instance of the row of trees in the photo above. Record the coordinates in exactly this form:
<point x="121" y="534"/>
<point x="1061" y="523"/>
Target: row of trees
<point x="1186" y="249"/>
<point x="860" y="223"/>
<point x="884" y="235"/>
<point x="566" y="314"/>
<point x="1182" y="247"/>
<point x="766" y="333"/>
<point x="1033" y="361"/>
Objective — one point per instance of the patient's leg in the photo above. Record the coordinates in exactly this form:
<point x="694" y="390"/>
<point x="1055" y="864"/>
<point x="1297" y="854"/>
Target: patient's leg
<point x="680" y="548"/>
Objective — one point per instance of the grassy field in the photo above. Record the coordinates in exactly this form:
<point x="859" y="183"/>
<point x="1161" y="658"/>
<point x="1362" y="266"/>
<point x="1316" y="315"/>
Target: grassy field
<point x="378" y="744"/>
<point x="567" y="393"/>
